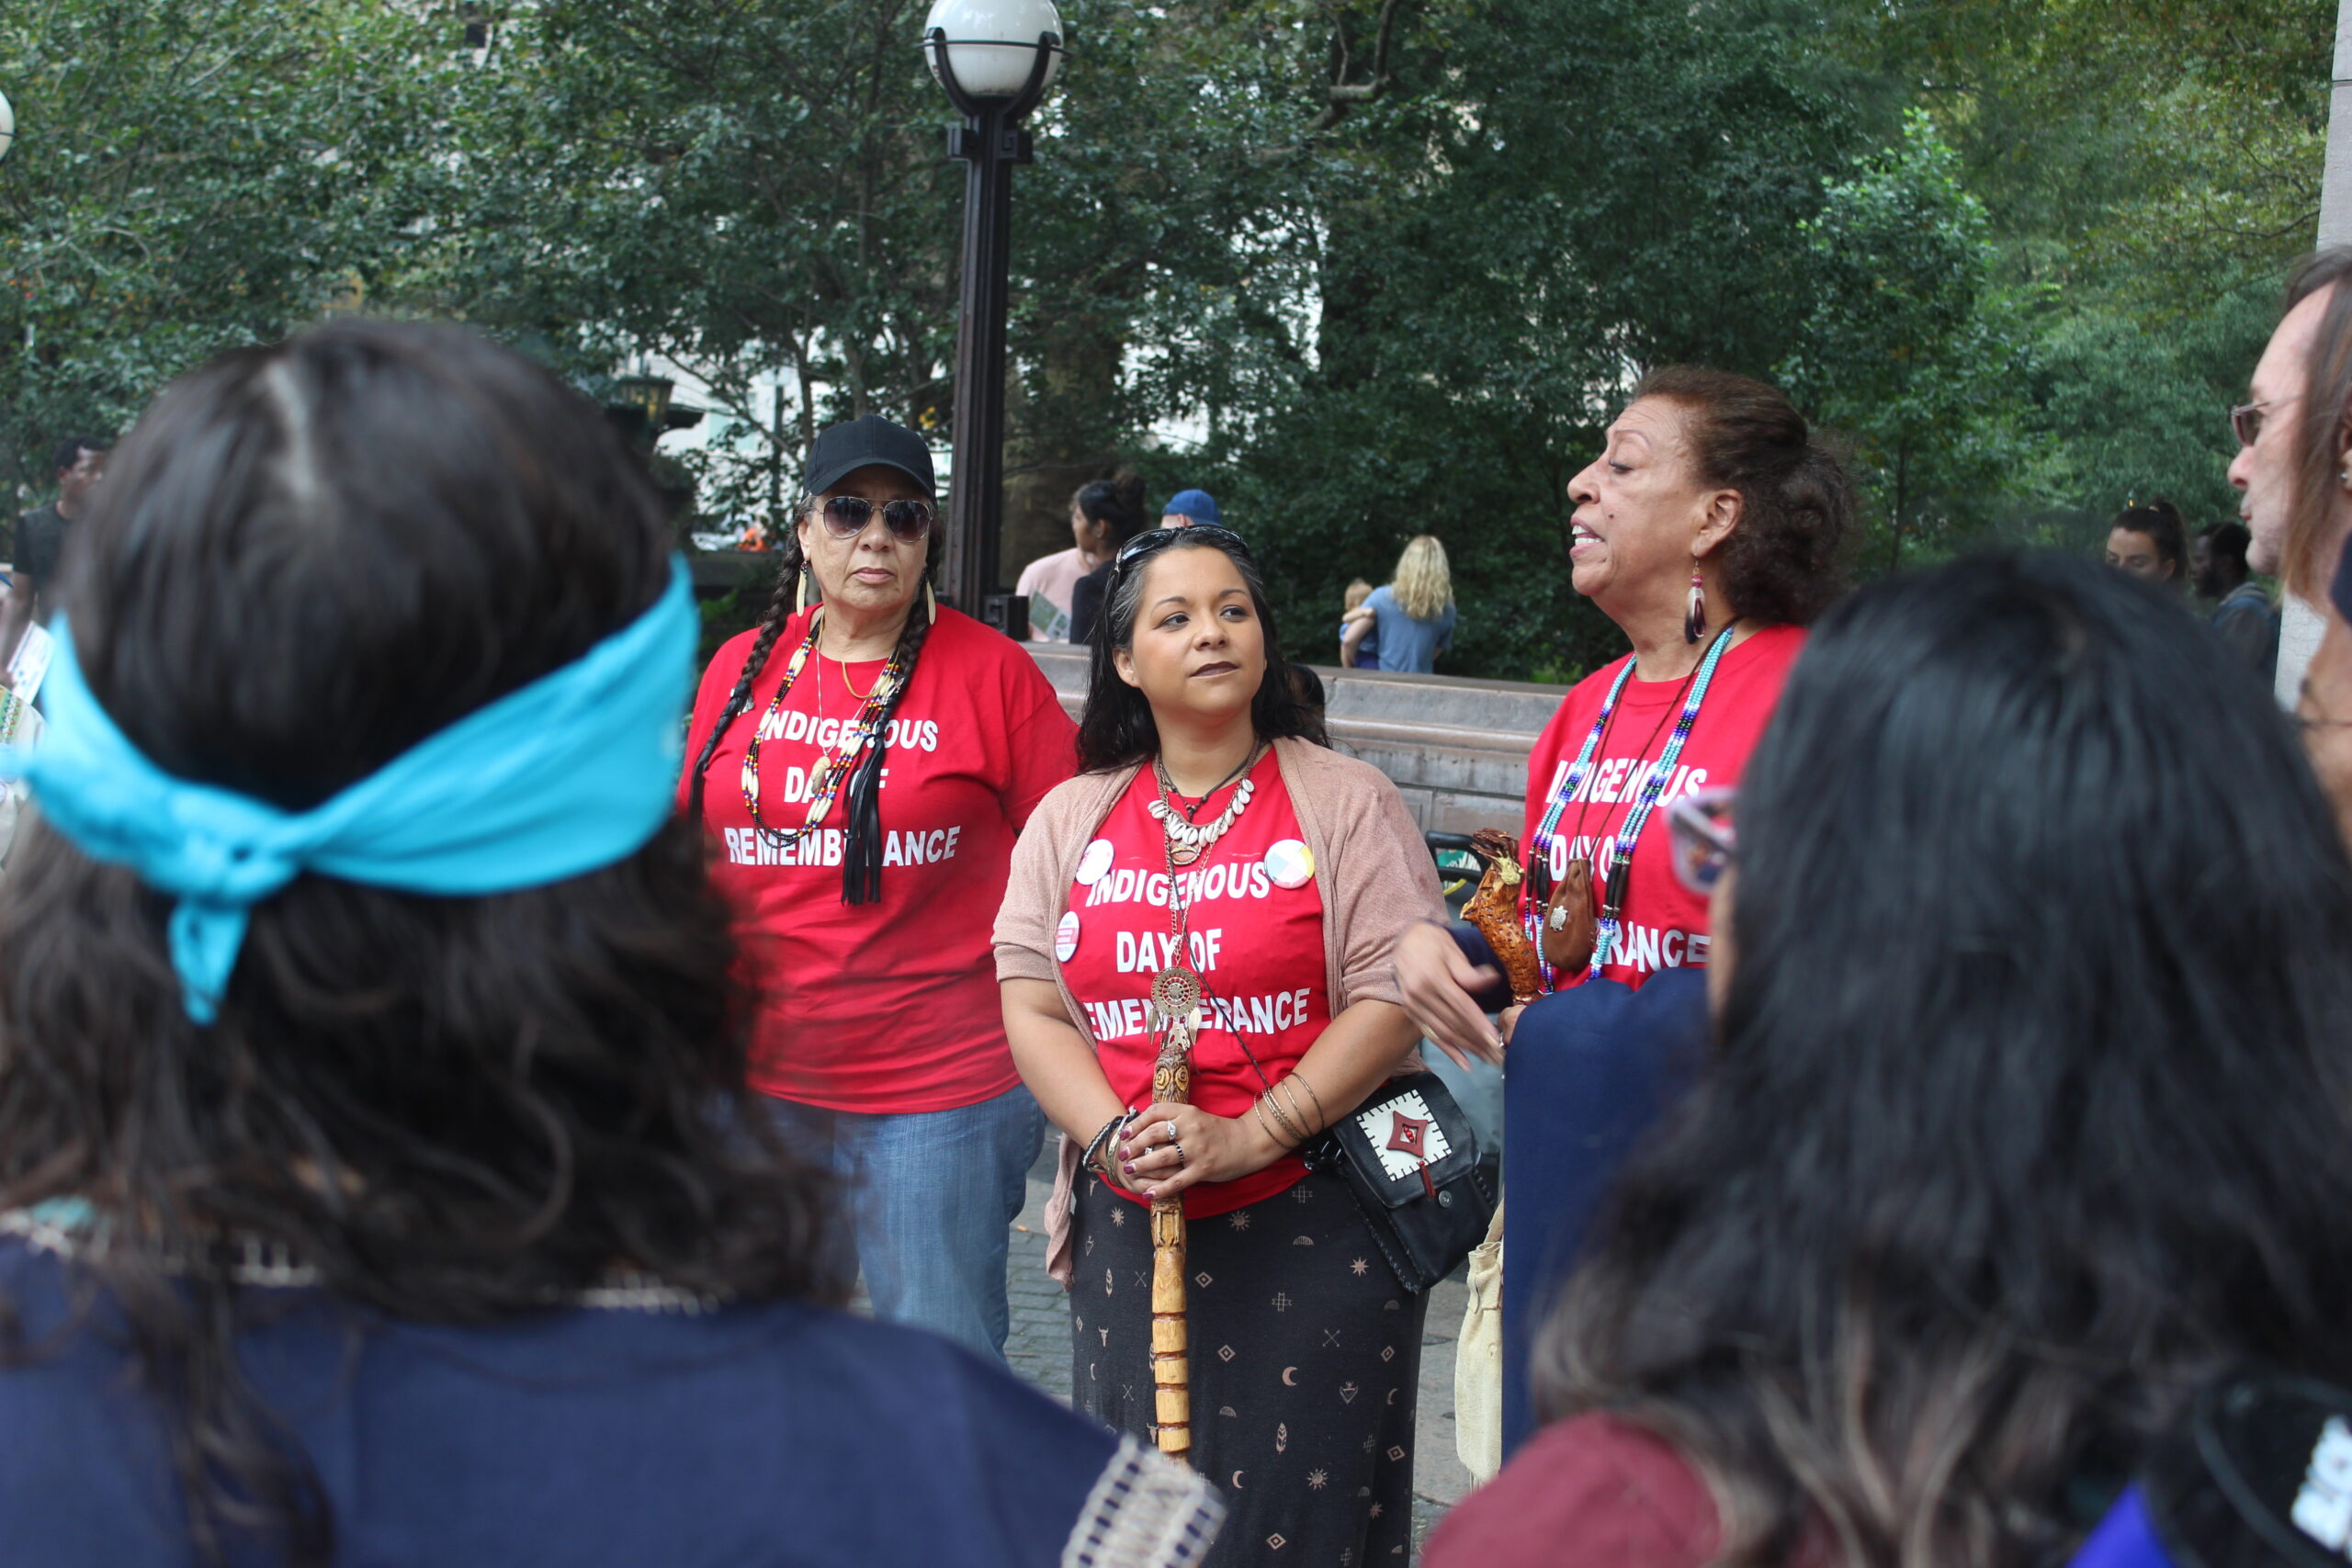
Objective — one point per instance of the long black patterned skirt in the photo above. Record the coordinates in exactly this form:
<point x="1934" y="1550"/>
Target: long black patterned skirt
<point x="1305" y="1358"/>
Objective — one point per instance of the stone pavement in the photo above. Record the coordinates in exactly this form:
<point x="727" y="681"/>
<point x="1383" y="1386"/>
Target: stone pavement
<point x="1039" y="1347"/>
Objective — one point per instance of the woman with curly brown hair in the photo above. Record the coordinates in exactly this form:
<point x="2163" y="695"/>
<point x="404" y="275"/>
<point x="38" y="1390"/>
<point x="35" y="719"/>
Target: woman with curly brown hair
<point x="1708" y="530"/>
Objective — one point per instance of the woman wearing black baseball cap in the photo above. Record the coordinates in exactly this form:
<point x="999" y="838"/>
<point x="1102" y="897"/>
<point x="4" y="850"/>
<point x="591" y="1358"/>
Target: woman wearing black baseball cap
<point x="864" y="761"/>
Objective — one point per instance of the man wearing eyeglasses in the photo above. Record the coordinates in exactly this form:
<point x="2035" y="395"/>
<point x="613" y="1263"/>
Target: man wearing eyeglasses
<point x="2295" y="470"/>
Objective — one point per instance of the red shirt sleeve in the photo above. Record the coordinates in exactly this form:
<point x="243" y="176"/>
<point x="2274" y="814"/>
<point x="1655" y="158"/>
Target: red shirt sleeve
<point x="1596" y="1491"/>
<point x="1044" y="742"/>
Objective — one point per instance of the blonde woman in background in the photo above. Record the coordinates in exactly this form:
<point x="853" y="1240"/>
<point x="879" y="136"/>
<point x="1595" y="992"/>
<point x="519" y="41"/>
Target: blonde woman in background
<point x="1411" y="620"/>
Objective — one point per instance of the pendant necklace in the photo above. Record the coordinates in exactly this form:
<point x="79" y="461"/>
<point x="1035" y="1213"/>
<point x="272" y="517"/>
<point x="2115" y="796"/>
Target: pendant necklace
<point x="1654" y="777"/>
<point x="835" y="770"/>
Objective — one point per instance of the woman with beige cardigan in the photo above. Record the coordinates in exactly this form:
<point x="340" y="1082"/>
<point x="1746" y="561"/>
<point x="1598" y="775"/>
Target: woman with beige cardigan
<point x="1213" y="854"/>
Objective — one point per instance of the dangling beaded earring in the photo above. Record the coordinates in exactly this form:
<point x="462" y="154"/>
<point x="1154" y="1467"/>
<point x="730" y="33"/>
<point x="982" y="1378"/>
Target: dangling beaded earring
<point x="1694" y="617"/>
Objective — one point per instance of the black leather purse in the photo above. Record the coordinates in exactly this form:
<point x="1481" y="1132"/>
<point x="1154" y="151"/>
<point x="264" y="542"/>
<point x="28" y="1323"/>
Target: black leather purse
<point x="1412" y="1161"/>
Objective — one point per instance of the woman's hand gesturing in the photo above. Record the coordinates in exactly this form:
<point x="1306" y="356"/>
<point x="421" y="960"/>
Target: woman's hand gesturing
<point x="1170" y="1148"/>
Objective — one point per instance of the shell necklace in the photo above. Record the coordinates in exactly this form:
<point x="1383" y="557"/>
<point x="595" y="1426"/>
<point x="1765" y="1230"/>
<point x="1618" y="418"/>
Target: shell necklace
<point x="1188" y="839"/>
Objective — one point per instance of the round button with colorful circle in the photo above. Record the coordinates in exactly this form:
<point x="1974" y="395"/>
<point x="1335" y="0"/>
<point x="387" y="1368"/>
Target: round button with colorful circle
<point x="1289" y="864"/>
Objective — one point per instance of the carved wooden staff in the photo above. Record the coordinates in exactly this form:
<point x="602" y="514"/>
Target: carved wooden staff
<point x="1171" y="1368"/>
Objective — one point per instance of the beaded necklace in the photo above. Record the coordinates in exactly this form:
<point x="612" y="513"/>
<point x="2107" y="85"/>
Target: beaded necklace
<point x="1629" y="832"/>
<point x="835" y="769"/>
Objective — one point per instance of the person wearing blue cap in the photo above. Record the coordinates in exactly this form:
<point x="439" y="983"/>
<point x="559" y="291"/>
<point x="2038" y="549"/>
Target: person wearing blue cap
<point x="379" y="1181"/>
<point x="1188" y="506"/>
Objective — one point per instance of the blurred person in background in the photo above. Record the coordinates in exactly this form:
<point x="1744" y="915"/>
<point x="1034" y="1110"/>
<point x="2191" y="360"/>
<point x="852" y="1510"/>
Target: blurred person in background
<point x="378" y="1178"/>
<point x="2243" y="614"/>
<point x="863" y="761"/>
<point x="1187" y="507"/>
<point x="1115" y="513"/>
<point x="1102" y="514"/>
<point x="2022" y="1122"/>
<point x="1709" y="530"/>
<point x="1410" y="619"/>
<point x="2149" y="541"/>
<point x="78" y="465"/>
<point x="1366" y="652"/>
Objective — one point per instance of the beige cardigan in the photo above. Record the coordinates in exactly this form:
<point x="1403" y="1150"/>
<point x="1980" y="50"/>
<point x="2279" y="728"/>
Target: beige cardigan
<point x="1372" y="868"/>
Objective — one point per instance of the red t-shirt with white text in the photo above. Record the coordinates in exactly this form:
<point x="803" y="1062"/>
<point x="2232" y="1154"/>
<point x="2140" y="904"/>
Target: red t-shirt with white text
<point x="891" y="1006"/>
<point x="1665" y="924"/>
<point x="1256" y="944"/>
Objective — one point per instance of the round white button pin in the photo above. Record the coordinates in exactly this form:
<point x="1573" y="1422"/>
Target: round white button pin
<point x="1094" y="864"/>
<point x="1290" y="862"/>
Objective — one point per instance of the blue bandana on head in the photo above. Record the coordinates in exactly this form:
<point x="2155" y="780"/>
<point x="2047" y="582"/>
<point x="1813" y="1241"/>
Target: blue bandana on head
<point x="571" y="772"/>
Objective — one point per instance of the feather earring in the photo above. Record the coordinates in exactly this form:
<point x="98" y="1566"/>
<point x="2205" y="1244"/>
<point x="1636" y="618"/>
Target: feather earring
<point x="801" y="598"/>
<point x="930" y="604"/>
<point x="1694" y="617"/>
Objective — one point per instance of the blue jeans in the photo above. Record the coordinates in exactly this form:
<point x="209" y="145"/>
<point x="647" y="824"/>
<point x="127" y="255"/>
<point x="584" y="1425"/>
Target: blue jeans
<point x="930" y="1197"/>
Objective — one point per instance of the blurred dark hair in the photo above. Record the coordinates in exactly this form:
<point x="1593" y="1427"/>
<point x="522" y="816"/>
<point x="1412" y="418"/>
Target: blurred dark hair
<point x="2321" y="418"/>
<point x="1309" y="686"/>
<point x="2027" y="1112"/>
<point x="2228" y="542"/>
<point x="2162" y="521"/>
<point x="1781" y="563"/>
<point x="455" y="1110"/>
<point x="1117" y="730"/>
<point x="68" y="452"/>
<point x="1117" y="501"/>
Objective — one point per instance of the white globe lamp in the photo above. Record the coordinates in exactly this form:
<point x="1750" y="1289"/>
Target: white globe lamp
<point x="991" y="46"/>
<point x="7" y="125"/>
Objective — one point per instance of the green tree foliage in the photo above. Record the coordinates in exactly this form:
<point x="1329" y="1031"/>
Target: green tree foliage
<point x="1394" y="263"/>
<point x="1907" y="351"/>
<point x="190" y="174"/>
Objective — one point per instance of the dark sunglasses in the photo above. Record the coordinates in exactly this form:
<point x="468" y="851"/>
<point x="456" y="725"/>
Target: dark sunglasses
<point x="847" y="516"/>
<point x="1157" y="539"/>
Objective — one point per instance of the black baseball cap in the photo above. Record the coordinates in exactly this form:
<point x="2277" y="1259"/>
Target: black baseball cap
<point x="867" y="443"/>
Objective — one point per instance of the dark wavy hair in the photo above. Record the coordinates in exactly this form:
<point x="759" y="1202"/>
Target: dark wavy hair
<point x="1117" y="501"/>
<point x="1117" y="730"/>
<point x="306" y="558"/>
<point x="1782" y="564"/>
<point x="2028" y="1109"/>
<point x="862" y="800"/>
<point x="2162" y="521"/>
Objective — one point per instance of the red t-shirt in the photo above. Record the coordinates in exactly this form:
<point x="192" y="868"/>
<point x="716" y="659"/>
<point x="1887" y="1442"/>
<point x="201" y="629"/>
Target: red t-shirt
<point x="1595" y="1491"/>
<point x="891" y="1006"/>
<point x="1665" y="924"/>
<point x="1256" y="944"/>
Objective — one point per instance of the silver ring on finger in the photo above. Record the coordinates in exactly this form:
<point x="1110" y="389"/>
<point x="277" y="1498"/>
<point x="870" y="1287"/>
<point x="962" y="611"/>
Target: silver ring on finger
<point x="1170" y="1128"/>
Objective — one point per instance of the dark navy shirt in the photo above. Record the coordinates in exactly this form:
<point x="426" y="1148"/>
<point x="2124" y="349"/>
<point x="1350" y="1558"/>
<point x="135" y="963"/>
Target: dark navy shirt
<point x="776" y="1434"/>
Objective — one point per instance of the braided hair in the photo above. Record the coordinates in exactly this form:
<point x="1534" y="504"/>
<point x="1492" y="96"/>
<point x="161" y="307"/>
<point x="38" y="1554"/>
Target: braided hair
<point x="862" y="856"/>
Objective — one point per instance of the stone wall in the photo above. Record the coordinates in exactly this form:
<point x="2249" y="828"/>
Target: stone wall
<point x="1455" y="746"/>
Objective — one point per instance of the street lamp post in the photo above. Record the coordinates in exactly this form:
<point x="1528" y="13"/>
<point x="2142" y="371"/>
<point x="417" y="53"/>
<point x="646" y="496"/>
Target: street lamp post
<point x="7" y="125"/>
<point x="995" y="57"/>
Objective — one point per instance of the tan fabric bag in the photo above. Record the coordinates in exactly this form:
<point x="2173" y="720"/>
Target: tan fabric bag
<point x="1478" y="1361"/>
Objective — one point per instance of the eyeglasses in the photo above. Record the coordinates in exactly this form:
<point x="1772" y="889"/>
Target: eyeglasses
<point x="847" y="516"/>
<point x="2245" y="420"/>
<point x="1156" y="539"/>
<point x="1702" y="836"/>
